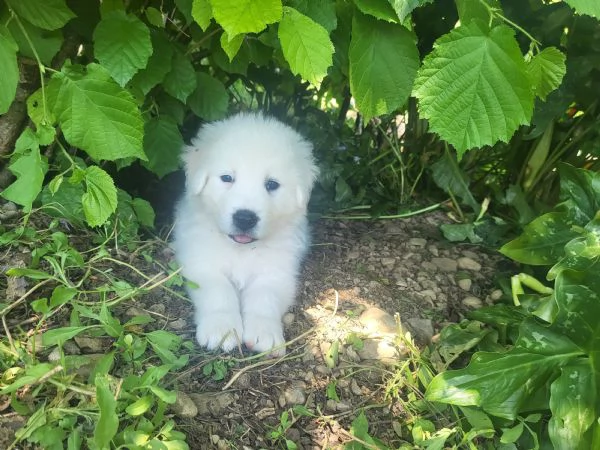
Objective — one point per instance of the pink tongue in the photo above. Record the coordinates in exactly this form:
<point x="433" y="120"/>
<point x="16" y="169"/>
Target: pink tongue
<point x="242" y="238"/>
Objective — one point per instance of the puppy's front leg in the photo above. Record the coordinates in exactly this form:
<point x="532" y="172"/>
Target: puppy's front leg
<point x="217" y="313"/>
<point x="263" y="304"/>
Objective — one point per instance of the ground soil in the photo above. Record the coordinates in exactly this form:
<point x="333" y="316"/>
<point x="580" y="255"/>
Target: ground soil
<point x="365" y="284"/>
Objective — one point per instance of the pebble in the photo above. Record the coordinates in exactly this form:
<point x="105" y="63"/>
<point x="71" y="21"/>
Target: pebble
<point x="158" y="308"/>
<point x="433" y="250"/>
<point x="465" y="284"/>
<point x="184" y="406"/>
<point x="288" y="319"/>
<point x="178" y="324"/>
<point x="472" y="302"/>
<point x="428" y="294"/>
<point x="445" y="264"/>
<point x="421" y="329"/>
<point x="355" y="388"/>
<point x="379" y="350"/>
<point x="378" y="321"/>
<point x="388" y="262"/>
<point x="212" y="403"/>
<point x="294" y="395"/>
<point x="467" y="263"/>
<point x="496" y="295"/>
<point x="417" y="242"/>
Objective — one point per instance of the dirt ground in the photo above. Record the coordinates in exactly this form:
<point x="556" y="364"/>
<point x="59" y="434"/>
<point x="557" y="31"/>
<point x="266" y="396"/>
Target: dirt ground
<point x="364" y="285"/>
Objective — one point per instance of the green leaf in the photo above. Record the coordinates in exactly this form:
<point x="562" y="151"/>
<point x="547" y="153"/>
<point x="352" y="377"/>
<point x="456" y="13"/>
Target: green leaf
<point x="202" y="13"/>
<point x="34" y="274"/>
<point x="10" y="69"/>
<point x="503" y="383"/>
<point x="574" y="405"/>
<point x="305" y="44"/>
<point x="61" y="295"/>
<point x="510" y="435"/>
<point x="100" y="198"/>
<point x="546" y="71"/>
<point x="166" y="396"/>
<point x="321" y="11"/>
<point x="589" y="7"/>
<point x="143" y="211"/>
<point x="46" y="43"/>
<point x="245" y="16"/>
<point x="231" y="46"/>
<point x="469" y="10"/>
<point x="405" y="7"/>
<point x="380" y="9"/>
<point x="108" y="422"/>
<point x="95" y="113"/>
<point x="180" y="82"/>
<point x="580" y="192"/>
<point x="122" y="45"/>
<point x="140" y="406"/>
<point x="32" y="374"/>
<point x="58" y="336"/>
<point x="30" y="170"/>
<point x="210" y="99"/>
<point x="383" y="63"/>
<point x="448" y="176"/>
<point x="159" y="63"/>
<point x="46" y="14"/>
<point x="543" y="240"/>
<point x="473" y="87"/>
<point x="162" y="145"/>
<point x="65" y="202"/>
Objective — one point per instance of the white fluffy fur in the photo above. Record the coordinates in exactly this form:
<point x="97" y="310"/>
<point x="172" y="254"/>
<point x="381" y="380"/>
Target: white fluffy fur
<point x="244" y="289"/>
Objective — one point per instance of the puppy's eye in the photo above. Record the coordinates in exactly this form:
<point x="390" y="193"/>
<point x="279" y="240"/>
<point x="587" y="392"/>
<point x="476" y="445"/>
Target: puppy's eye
<point x="271" y="185"/>
<point x="226" y="178"/>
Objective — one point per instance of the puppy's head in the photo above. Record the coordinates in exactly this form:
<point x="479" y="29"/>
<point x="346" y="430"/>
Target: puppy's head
<point x="252" y="175"/>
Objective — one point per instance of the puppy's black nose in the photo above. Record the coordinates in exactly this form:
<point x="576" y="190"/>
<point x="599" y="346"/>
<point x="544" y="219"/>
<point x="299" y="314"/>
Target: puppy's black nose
<point x="244" y="219"/>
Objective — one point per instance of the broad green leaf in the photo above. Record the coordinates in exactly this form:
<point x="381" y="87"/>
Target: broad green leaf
<point x="155" y="17"/>
<point x="159" y="63"/>
<point x="380" y="9"/>
<point x="458" y="232"/>
<point x="383" y="63"/>
<point x="143" y="211"/>
<point x="405" y="7"/>
<point x="245" y="16"/>
<point x="46" y="43"/>
<point x="65" y="202"/>
<point x="589" y="7"/>
<point x="510" y="435"/>
<point x="180" y="82"/>
<point x="503" y="383"/>
<point x="162" y="145"/>
<point x="306" y="45"/>
<point x="231" y="46"/>
<point x="542" y="241"/>
<point x="581" y="253"/>
<point x="34" y="274"/>
<point x="166" y="396"/>
<point x="448" y="176"/>
<point x="574" y="405"/>
<point x="546" y="71"/>
<point x="61" y="295"/>
<point x="108" y="422"/>
<point x="10" y="69"/>
<point x="469" y="10"/>
<point x="580" y="192"/>
<point x="457" y="339"/>
<point x="210" y="99"/>
<point x="140" y="406"/>
<point x="30" y="169"/>
<point x="473" y="87"/>
<point x="95" y="113"/>
<point x="100" y="198"/>
<point x="321" y="11"/>
<point x="46" y="14"/>
<point x="32" y="374"/>
<point x="122" y="45"/>
<point x="58" y="336"/>
<point x="202" y="13"/>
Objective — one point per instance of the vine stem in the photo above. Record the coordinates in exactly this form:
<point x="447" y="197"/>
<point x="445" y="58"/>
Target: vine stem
<point x="493" y="12"/>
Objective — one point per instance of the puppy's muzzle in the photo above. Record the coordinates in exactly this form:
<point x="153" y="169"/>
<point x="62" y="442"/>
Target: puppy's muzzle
<point x="244" y="222"/>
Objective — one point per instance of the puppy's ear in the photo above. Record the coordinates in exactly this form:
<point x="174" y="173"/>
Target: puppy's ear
<point x="195" y="175"/>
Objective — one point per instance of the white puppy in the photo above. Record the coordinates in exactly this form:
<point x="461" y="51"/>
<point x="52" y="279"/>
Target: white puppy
<point x="241" y="229"/>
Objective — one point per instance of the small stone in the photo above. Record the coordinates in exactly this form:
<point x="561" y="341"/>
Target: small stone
<point x="184" y="406"/>
<point x="379" y="350"/>
<point x="9" y="206"/>
<point x="428" y="266"/>
<point x="388" y="262"/>
<point x="465" y="284"/>
<point x="355" y="388"/>
<point x="421" y="329"/>
<point x="428" y="294"/>
<point x="157" y="308"/>
<point x="445" y="264"/>
<point x="295" y="395"/>
<point x="378" y="321"/>
<point x="433" y="250"/>
<point x="417" y="242"/>
<point x="178" y="324"/>
<point x="496" y="295"/>
<point x="353" y="254"/>
<point x="212" y="403"/>
<point x="215" y="438"/>
<point x="472" y="302"/>
<point x="288" y="319"/>
<point x="90" y="344"/>
<point x="135" y="311"/>
<point x="467" y="263"/>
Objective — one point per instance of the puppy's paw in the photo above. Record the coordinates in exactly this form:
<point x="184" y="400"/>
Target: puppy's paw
<point x="262" y="334"/>
<point x="219" y="330"/>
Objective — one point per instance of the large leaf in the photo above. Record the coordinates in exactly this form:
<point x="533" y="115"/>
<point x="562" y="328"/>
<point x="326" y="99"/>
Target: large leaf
<point x="380" y="9"/>
<point x="589" y="7"/>
<point x="305" y="44"/>
<point x="383" y="63"/>
<point x="502" y="383"/>
<point x="543" y="240"/>
<point x="45" y="43"/>
<point x="122" y="45"/>
<point x="546" y="70"/>
<point x="100" y="198"/>
<point x="449" y="177"/>
<point x="95" y="113"/>
<point x="404" y="7"/>
<point x="246" y="16"/>
<point x="202" y="13"/>
<point x="210" y="99"/>
<point x="574" y="405"/>
<point x="162" y="144"/>
<point x="180" y="82"/>
<point x="580" y="191"/>
<point x="321" y="11"/>
<point x="159" y="64"/>
<point x="581" y="253"/>
<point x="59" y="336"/>
<point x="473" y="87"/>
<point x="46" y="14"/>
<point x="10" y="69"/>
<point x="108" y="422"/>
